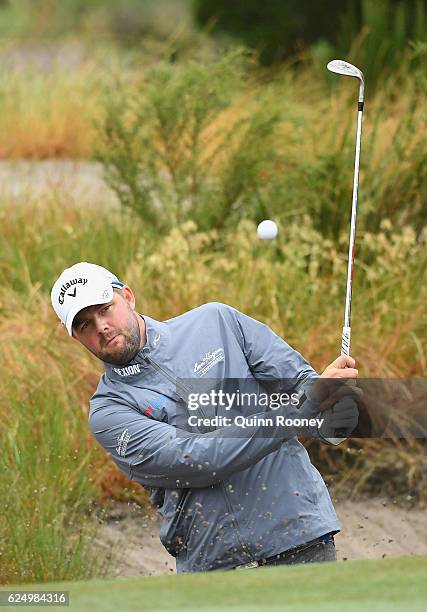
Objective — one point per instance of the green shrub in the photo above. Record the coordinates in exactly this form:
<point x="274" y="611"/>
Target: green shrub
<point x="215" y="143"/>
<point x="190" y="142"/>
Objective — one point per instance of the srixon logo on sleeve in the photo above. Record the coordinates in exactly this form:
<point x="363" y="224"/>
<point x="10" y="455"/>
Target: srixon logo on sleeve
<point x="66" y="286"/>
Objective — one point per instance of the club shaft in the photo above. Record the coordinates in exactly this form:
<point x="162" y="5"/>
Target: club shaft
<point x="346" y="332"/>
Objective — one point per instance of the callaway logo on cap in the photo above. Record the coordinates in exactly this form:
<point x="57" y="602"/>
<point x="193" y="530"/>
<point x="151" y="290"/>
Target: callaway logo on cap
<point x="80" y="286"/>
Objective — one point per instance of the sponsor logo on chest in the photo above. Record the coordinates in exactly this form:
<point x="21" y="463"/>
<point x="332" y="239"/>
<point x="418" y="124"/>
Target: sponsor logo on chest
<point x="209" y="360"/>
<point x="128" y="370"/>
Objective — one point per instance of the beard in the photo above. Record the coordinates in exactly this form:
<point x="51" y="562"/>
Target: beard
<point x="128" y="342"/>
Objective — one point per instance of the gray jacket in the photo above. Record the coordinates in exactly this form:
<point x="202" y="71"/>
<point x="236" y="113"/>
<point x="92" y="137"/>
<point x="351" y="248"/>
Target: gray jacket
<point x="225" y="500"/>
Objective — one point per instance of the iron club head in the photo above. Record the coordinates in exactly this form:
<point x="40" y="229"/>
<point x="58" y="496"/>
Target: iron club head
<point x="347" y="69"/>
<point x="342" y="67"/>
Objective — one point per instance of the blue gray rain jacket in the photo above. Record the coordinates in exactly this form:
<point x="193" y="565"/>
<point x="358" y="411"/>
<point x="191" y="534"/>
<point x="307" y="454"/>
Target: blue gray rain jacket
<point x="225" y="500"/>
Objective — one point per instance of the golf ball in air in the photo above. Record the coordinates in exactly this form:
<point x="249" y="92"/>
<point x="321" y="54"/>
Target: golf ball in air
<point x="267" y="230"/>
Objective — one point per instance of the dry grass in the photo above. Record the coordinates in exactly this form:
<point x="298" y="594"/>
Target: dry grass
<point x="48" y="114"/>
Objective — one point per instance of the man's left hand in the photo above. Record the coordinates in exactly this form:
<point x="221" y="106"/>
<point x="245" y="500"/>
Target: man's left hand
<point x="329" y="389"/>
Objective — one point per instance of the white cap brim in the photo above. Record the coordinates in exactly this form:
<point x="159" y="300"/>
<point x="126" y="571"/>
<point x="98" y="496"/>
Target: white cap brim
<point x="90" y="301"/>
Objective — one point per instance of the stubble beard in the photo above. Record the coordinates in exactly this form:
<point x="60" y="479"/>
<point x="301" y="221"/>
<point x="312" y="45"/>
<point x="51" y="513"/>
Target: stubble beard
<point x="130" y="342"/>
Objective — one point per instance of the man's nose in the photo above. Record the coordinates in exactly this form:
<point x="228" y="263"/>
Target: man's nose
<point x="101" y="325"/>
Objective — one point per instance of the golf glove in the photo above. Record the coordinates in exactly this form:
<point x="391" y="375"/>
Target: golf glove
<point x="339" y="420"/>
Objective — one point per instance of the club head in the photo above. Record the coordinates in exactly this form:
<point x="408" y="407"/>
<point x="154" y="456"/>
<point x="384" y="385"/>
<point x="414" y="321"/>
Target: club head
<point x="342" y="67"/>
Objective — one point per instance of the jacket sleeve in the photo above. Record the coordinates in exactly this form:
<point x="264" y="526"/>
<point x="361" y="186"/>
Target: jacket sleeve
<point x="157" y="454"/>
<point x="269" y="357"/>
<point x="272" y="359"/>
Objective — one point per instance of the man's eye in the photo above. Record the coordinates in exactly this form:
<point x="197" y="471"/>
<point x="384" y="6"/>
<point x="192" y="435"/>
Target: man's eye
<point x="106" y="308"/>
<point x="84" y="325"/>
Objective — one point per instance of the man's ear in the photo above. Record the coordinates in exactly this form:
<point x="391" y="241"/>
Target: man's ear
<point x="73" y="335"/>
<point x="128" y="296"/>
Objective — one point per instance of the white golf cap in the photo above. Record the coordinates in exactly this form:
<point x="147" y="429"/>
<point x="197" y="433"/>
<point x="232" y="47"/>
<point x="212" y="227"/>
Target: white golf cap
<point x="84" y="284"/>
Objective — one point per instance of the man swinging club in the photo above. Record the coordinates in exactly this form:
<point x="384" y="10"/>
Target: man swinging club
<point x="228" y="500"/>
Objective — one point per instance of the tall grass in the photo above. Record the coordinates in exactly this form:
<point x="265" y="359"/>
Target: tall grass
<point x="45" y="476"/>
<point x="47" y="113"/>
<point x="45" y="484"/>
<point x="52" y="471"/>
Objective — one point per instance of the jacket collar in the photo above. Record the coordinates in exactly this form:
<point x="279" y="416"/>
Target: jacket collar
<point x="158" y="336"/>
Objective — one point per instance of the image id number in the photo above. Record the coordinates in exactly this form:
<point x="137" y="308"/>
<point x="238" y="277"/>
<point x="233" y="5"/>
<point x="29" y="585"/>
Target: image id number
<point x="34" y="598"/>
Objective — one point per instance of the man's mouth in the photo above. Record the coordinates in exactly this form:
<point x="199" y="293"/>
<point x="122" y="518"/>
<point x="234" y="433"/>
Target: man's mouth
<point x="111" y="339"/>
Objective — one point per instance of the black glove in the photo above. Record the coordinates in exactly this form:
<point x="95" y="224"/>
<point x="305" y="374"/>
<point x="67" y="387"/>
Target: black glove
<point x="339" y="420"/>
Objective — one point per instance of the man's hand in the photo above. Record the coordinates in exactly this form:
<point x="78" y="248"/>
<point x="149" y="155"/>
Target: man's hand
<point x="342" y="367"/>
<point x="329" y="389"/>
<point x="340" y="420"/>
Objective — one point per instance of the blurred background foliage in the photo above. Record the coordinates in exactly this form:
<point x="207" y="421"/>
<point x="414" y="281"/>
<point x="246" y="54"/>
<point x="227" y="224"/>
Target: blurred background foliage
<point x="373" y="33"/>
<point x="205" y="118"/>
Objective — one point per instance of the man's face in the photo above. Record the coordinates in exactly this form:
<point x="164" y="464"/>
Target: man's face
<point x="110" y="331"/>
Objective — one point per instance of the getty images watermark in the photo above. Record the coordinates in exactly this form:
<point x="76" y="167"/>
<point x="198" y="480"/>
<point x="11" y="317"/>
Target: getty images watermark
<point x="382" y="408"/>
<point x="244" y="408"/>
<point x="227" y="402"/>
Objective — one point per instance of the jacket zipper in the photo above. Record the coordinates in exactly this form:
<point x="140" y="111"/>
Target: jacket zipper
<point x="227" y="499"/>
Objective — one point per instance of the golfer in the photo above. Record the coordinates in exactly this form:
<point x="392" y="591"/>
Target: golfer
<point x="230" y="497"/>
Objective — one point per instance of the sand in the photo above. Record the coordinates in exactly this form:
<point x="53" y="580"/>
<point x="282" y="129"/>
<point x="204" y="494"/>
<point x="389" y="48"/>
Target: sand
<point x="371" y="529"/>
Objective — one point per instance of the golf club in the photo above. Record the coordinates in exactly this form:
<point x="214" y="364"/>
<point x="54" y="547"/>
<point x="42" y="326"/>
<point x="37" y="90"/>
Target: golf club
<point x="344" y="68"/>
